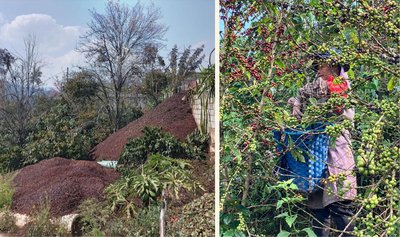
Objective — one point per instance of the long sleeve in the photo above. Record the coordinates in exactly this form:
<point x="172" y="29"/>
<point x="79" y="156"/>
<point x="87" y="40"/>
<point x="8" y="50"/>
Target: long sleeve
<point x="317" y="89"/>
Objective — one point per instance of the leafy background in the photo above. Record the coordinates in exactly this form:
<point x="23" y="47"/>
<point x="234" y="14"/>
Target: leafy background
<point x="265" y="59"/>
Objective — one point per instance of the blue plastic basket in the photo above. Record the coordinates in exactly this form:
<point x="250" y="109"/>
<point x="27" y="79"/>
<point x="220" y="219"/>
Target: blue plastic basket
<point x="312" y="146"/>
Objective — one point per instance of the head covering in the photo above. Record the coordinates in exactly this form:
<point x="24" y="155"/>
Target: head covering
<point x="327" y="55"/>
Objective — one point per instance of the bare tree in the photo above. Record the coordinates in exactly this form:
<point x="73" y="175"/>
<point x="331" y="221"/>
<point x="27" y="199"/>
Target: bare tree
<point x="20" y="82"/>
<point x="113" y="46"/>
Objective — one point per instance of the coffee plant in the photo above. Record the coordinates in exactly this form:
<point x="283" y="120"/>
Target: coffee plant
<point x="57" y="133"/>
<point x="265" y="57"/>
<point x="157" y="141"/>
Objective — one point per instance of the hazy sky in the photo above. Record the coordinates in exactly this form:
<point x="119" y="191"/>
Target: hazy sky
<point x="57" y="25"/>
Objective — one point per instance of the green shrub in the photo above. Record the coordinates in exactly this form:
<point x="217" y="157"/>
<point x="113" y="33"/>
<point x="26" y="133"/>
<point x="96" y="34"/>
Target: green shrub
<point x="6" y="191"/>
<point x="196" y="145"/>
<point x="57" y="134"/>
<point x="148" y="181"/>
<point x="93" y="216"/>
<point x="11" y="158"/>
<point x="155" y="141"/>
<point x="7" y="222"/>
<point x="95" y="219"/>
<point x="130" y="114"/>
<point x="42" y="225"/>
<point x="145" y="224"/>
<point x="95" y="232"/>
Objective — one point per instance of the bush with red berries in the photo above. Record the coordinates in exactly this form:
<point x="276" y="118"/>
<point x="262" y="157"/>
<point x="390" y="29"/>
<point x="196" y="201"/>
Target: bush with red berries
<point x="264" y="59"/>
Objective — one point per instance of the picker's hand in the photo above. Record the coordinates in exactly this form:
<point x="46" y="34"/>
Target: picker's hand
<point x="348" y="114"/>
<point x="296" y="107"/>
<point x="297" y="112"/>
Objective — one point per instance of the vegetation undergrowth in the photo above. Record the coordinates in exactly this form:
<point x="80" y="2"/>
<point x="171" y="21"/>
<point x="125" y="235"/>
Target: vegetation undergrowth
<point x="7" y="221"/>
<point x="132" y="204"/>
<point x="97" y="219"/>
<point x="6" y="190"/>
<point x="42" y="225"/>
<point x="155" y="141"/>
<point x="194" y="219"/>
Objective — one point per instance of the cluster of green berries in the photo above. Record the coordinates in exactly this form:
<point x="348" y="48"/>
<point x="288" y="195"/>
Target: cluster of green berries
<point x="388" y="159"/>
<point x="336" y="101"/>
<point x="369" y="222"/>
<point x="376" y="17"/>
<point x="292" y="121"/>
<point x="313" y="113"/>
<point x="371" y="202"/>
<point x="390" y="224"/>
<point x="366" y="163"/>
<point x="242" y="222"/>
<point x="334" y="178"/>
<point x="391" y="190"/>
<point x="389" y="109"/>
<point x="335" y="130"/>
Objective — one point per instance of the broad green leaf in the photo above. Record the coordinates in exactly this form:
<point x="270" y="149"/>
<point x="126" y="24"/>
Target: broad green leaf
<point x="283" y="233"/>
<point x="234" y="233"/>
<point x="313" y="101"/>
<point x="290" y="220"/>
<point x="285" y="214"/>
<point x="280" y="64"/>
<point x="309" y="232"/>
<point x="279" y="204"/>
<point x="298" y="155"/>
<point x="227" y="219"/>
<point x="375" y="82"/>
<point x="293" y="186"/>
<point x="350" y="73"/>
<point x="278" y="117"/>
<point x="391" y="84"/>
<point x="248" y="75"/>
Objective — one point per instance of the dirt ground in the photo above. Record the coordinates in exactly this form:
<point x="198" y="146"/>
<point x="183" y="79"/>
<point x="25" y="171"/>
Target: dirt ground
<point x="66" y="183"/>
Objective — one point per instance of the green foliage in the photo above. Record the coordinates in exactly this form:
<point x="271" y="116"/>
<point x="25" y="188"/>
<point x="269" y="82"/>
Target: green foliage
<point x="183" y="65"/>
<point x="145" y="224"/>
<point x="81" y="88"/>
<point x="161" y="81"/>
<point x="93" y="216"/>
<point x="97" y="219"/>
<point x="194" y="219"/>
<point x="148" y="181"/>
<point x="6" y="191"/>
<point x="57" y="134"/>
<point x="266" y="51"/>
<point x="11" y="158"/>
<point x="95" y="232"/>
<point x="7" y="222"/>
<point x="42" y="225"/>
<point x="154" y="86"/>
<point x="155" y="141"/>
<point x="130" y="114"/>
<point x="122" y="199"/>
<point x="196" y="145"/>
